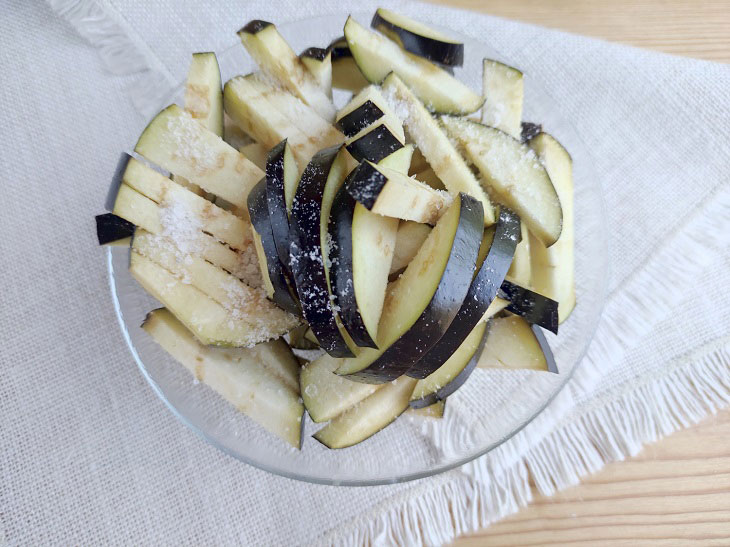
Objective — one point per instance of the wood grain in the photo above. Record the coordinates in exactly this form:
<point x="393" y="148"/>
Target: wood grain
<point x="676" y="492"/>
<point x="693" y="28"/>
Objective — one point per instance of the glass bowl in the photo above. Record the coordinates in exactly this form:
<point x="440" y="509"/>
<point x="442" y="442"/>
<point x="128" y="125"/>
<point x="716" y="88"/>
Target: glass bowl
<point x="489" y="409"/>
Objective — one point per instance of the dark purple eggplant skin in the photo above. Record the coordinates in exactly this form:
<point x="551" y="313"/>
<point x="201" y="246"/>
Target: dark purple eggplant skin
<point x="445" y="53"/>
<point x="276" y="203"/>
<point x="444" y="305"/>
<point x="342" y="279"/>
<point x="110" y="227"/>
<point x="364" y="184"/>
<point x="255" y="26"/>
<point x="117" y="179"/>
<point x="481" y="293"/>
<point x="458" y="380"/>
<point x="366" y="114"/>
<point x="529" y="131"/>
<point x="314" y="53"/>
<point x="259" y="212"/>
<point x="374" y="145"/>
<point x="305" y="250"/>
<point x="545" y="347"/>
<point x="535" y="308"/>
<point x="339" y="48"/>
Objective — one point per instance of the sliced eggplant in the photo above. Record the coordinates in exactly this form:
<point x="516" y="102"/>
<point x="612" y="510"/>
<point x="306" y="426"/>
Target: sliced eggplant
<point x="452" y="374"/>
<point x="275" y="57"/>
<point x="301" y="116"/>
<point x="436" y="410"/>
<point x="235" y="374"/>
<point x="514" y="344"/>
<point x="434" y="144"/>
<point x="327" y="395"/>
<point x="111" y="229"/>
<point x="534" y="307"/>
<point x="181" y="212"/>
<point x="376" y="56"/>
<point x="203" y="92"/>
<point x="530" y="130"/>
<point x="365" y="109"/>
<point x="145" y="213"/>
<point x="361" y="254"/>
<point x="408" y="240"/>
<point x="421" y="304"/>
<point x="429" y="176"/>
<point x="400" y="160"/>
<point x="554" y="270"/>
<point x="309" y="248"/>
<point x="391" y="193"/>
<point x="257" y="153"/>
<point x="282" y="177"/>
<point x="208" y="320"/>
<point x="497" y="250"/>
<point x="504" y="92"/>
<point x="252" y="112"/>
<point x="238" y="299"/>
<point x="345" y="72"/>
<point x="514" y="172"/>
<point x="319" y="64"/>
<point x="369" y="416"/>
<point x="175" y="141"/>
<point x="297" y="339"/>
<point x="418" y="38"/>
<point x="274" y="273"/>
<point x="374" y="143"/>
<point x="520" y="271"/>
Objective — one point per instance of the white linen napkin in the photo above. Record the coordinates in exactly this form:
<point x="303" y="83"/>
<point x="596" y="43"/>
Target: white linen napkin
<point x="88" y="453"/>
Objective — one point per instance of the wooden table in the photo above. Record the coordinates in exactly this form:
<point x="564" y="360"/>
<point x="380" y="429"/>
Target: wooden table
<point x="677" y="491"/>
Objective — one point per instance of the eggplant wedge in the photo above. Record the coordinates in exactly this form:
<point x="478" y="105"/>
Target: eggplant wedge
<point x="452" y="374"/>
<point x="327" y="395"/>
<point x="514" y="344"/>
<point x="520" y="271"/>
<point x="208" y="320"/>
<point x="235" y="374"/>
<point x="361" y="254"/>
<point x="275" y="57"/>
<point x="273" y="271"/>
<point x="504" y="92"/>
<point x="203" y="100"/>
<point x="257" y="153"/>
<point x="391" y="193"/>
<point x="418" y="38"/>
<point x="113" y="230"/>
<point x="180" y="210"/>
<point x="319" y="64"/>
<point x="282" y="177"/>
<point x="376" y="56"/>
<point x="554" y="270"/>
<point x="435" y="146"/>
<point x="309" y="248"/>
<point x="514" y="172"/>
<point x="400" y="160"/>
<point x="436" y="410"/>
<point x="239" y="300"/>
<point x="375" y="142"/>
<point x="365" y="109"/>
<point x="534" y="307"/>
<point x="429" y="176"/>
<point x="297" y="339"/>
<point x="422" y="303"/>
<point x="496" y="252"/>
<point x="369" y="416"/>
<point x="175" y="141"/>
<point x="408" y="240"/>
<point x="345" y="73"/>
<point x="300" y="115"/>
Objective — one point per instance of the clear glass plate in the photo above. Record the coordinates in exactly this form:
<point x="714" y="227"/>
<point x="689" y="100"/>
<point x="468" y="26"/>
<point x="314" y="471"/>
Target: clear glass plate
<point x="489" y="409"/>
